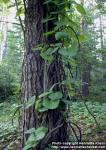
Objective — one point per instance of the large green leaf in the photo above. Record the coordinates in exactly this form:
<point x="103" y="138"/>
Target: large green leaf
<point x="39" y="106"/>
<point x="35" y="137"/>
<point x="32" y="130"/>
<point x="80" y="9"/>
<point x="31" y="142"/>
<point x="40" y="133"/>
<point x="51" y="104"/>
<point x="69" y="52"/>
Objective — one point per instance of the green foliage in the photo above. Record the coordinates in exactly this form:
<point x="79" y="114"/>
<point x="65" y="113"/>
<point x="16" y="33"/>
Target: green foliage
<point x="82" y="116"/>
<point x="35" y="136"/>
<point x="10" y="68"/>
<point x="50" y="104"/>
<point x="8" y="132"/>
<point x="80" y="9"/>
<point x="20" y="11"/>
<point x="5" y="82"/>
<point x="30" y="102"/>
<point x="47" y="19"/>
<point x="50" y="100"/>
<point x="61" y="35"/>
<point x="45" y="94"/>
<point x="4" y="1"/>
<point x="68" y="52"/>
<point x="55" y="95"/>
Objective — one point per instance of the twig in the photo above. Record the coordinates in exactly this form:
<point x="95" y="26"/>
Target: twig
<point x="18" y="109"/>
<point x="70" y="68"/>
<point x="76" y="36"/>
<point x="80" y="139"/>
<point x="22" y="26"/>
<point x="74" y="132"/>
<point x="10" y="22"/>
<point x="24" y="5"/>
<point x="91" y="113"/>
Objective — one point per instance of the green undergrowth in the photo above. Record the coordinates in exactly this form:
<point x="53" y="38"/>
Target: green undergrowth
<point x="79" y="115"/>
<point x="8" y="125"/>
<point x="89" y="128"/>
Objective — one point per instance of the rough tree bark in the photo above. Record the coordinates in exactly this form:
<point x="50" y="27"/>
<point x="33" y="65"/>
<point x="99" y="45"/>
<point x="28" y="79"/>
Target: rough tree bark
<point x="34" y="76"/>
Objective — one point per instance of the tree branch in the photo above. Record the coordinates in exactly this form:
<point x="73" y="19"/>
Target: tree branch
<point x="10" y="22"/>
<point x="22" y="26"/>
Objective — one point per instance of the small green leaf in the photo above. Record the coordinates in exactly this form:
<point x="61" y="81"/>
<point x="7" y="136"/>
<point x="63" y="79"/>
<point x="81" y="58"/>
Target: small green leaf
<point x="47" y="57"/>
<point x="80" y="9"/>
<point x="55" y="96"/>
<point x="82" y="38"/>
<point x="20" y="11"/>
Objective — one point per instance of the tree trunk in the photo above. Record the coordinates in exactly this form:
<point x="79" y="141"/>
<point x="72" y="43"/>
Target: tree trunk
<point x="85" y="82"/>
<point x="34" y="77"/>
<point x="102" y="47"/>
<point x="4" y="30"/>
<point x="85" y="74"/>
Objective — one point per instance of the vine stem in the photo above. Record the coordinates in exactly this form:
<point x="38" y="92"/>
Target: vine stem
<point x="92" y="115"/>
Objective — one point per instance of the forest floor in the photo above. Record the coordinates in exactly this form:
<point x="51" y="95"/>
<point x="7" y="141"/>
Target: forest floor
<point x="91" y="130"/>
<point x="9" y="126"/>
<point x="9" y="137"/>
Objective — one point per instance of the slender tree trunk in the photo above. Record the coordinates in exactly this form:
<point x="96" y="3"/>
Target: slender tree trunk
<point x="4" y="29"/>
<point x="34" y="77"/>
<point x="85" y="74"/>
<point x="102" y="47"/>
<point x="85" y="82"/>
